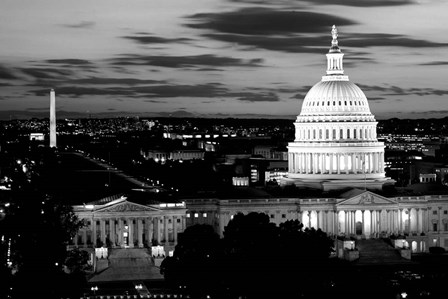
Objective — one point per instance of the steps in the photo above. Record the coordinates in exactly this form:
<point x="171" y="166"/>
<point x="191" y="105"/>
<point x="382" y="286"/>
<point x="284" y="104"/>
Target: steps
<point x="128" y="264"/>
<point x="377" y="251"/>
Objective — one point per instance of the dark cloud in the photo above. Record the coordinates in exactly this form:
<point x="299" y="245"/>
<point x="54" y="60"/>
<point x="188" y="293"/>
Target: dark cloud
<point x="69" y="61"/>
<point x="215" y="91"/>
<point x="293" y="44"/>
<point x="113" y="81"/>
<point x="183" y="61"/>
<point x="435" y="63"/>
<point x="299" y="96"/>
<point x="142" y="38"/>
<point x="376" y="99"/>
<point x="264" y="21"/>
<point x="46" y="73"/>
<point x="321" y="44"/>
<point x="83" y="24"/>
<point x="77" y="91"/>
<point x="395" y="90"/>
<point x="7" y="74"/>
<point x="384" y="40"/>
<point x="255" y="97"/>
<point x="362" y="3"/>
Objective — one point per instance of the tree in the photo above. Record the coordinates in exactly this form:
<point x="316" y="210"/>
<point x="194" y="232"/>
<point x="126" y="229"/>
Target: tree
<point x="195" y="263"/>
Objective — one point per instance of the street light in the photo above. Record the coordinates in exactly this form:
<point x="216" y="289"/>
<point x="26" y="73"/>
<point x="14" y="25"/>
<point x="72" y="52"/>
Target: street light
<point x="94" y="289"/>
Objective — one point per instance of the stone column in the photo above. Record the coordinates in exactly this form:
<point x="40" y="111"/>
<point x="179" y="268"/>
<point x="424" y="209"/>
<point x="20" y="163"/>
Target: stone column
<point x="156" y="230"/>
<point x="175" y="229"/>
<point x="103" y="231"/>
<point x="338" y="163"/>
<point x="94" y="232"/>
<point x="417" y="210"/>
<point x="354" y="163"/>
<point x="120" y="232"/>
<point x="130" y="232"/>
<point x="400" y="220"/>
<point x="372" y="222"/>
<point x="165" y="228"/>
<point x="347" y="170"/>
<point x="363" y="223"/>
<point x="150" y="225"/>
<point x="347" y="222"/>
<point x="112" y="231"/>
<point x="140" y="232"/>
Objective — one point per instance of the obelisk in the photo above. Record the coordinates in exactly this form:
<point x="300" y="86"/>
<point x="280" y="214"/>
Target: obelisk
<point x="52" y="119"/>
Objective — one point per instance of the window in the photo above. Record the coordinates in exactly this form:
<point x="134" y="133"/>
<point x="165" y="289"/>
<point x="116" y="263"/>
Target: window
<point x="169" y="220"/>
<point x="196" y="215"/>
<point x="445" y="212"/>
<point x="272" y="216"/>
<point x="107" y="222"/>
<point x="445" y="226"/>
<point x="283" y="215"/>
<point x="434" y="212"/>
<point x="178" y="220"/>
<point x="88" y="222"/>
<point x="231" y="217"/>
<point x="434" y="227"/>
<point x="188" y="215"/>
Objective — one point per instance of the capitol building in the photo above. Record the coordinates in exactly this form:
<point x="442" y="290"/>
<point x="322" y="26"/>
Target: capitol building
<point x="335" y="151"/>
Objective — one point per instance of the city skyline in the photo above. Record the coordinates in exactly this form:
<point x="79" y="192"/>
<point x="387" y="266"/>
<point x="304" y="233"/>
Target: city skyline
<point x="218" y="58"/>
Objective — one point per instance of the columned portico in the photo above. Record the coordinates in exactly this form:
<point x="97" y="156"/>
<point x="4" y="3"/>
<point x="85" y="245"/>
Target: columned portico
<point x="125" y="224"/>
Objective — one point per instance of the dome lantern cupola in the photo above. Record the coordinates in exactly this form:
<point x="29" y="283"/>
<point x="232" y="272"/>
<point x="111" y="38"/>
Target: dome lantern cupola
<point x="334" y="56"/>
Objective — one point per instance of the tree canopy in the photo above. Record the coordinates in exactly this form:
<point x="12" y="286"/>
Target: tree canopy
<point x="255" y="258"/>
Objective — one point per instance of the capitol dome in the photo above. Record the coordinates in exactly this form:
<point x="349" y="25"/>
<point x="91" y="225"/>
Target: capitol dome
<point x="335" y="143"/>
<point x="335" y="97"/>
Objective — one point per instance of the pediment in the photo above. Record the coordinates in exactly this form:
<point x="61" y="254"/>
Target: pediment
<point x="366" y="198"/>
<point x="125" y="206"/>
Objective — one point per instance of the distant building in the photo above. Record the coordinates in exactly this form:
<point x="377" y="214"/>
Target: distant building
<point x="127" y="221"/>
<point x="174" y="155"/>
<point x="37" y="137"/>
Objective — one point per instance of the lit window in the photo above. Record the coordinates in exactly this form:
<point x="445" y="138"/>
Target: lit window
<point x="188" y="215"/>
<point x="196" y="215"/>
<point x="204" y="215"/>
<point x="231" y="217"/>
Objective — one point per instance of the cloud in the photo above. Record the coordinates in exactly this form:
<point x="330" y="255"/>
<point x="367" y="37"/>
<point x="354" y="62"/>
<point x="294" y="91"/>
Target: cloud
<point x="81" y="25"/>
<point x="113" y="81"/>
<point x="46" y="73"/>
<point x="69" y="61"/>
<point x="385" y="40"/>
<point x="395" y="90"/>
<point x="183" y="61"/>
<point x="435" y="63"/>
<point x="376" y="99"/>
<point x="293" y="44"/>
<point x="362" y="3"/>
<point x="264" y="21"/>
<point x="255" y="97"/>
<point x="143" y="38"/>
<point x="7" y="74"/>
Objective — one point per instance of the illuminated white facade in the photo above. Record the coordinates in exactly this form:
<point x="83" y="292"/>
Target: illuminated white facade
<point x="335" y="143"/>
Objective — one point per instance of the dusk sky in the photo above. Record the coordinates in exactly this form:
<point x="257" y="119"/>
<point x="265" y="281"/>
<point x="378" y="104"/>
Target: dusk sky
<point x="218" y="57"/>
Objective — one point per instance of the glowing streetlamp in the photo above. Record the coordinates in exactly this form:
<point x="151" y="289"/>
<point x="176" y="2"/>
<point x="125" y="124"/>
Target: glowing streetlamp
<point x="94" y="289"/>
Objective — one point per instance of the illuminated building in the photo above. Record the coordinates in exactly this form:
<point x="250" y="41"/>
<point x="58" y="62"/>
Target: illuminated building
<point x="335" y="144"/>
